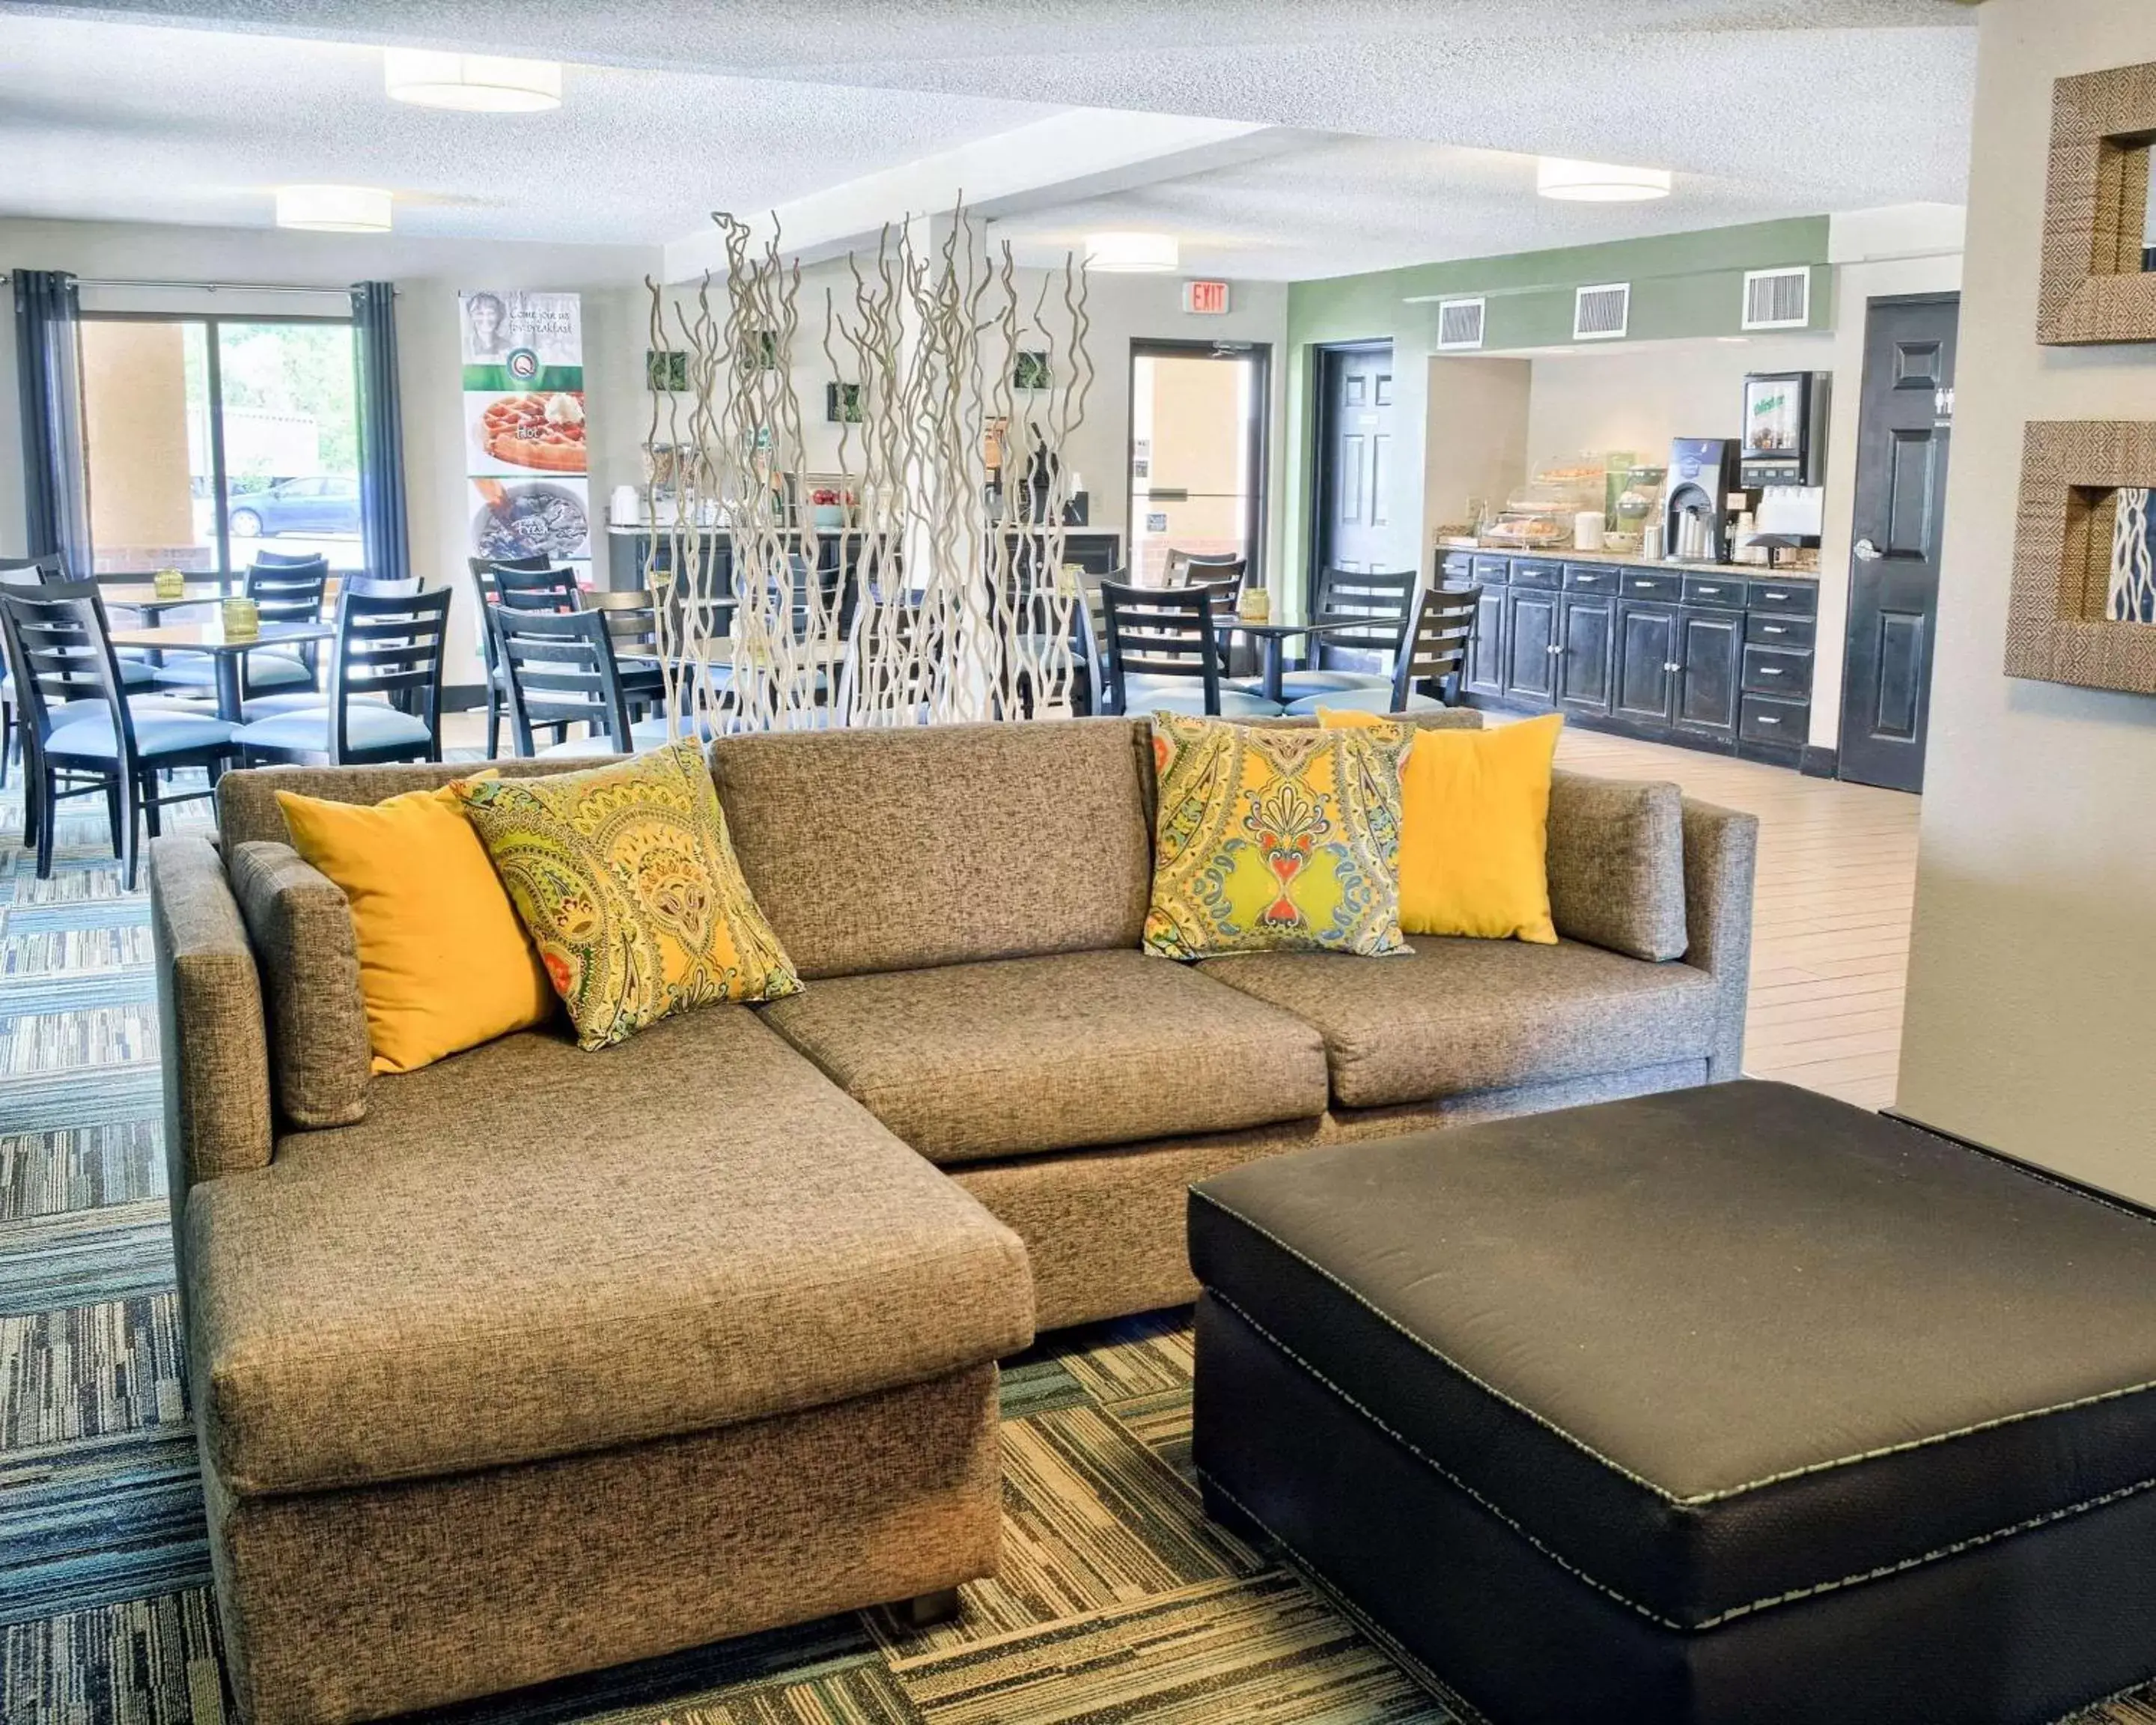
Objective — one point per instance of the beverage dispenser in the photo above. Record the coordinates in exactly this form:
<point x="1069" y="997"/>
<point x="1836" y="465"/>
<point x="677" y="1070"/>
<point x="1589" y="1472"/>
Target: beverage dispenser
<point x="1695" y="508"/>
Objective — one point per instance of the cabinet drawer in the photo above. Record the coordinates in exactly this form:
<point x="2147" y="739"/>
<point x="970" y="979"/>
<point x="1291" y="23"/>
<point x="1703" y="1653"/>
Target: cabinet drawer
<point x="1724" y="590"/>
<point x="1492" y="572"/>
<point x="1651" y="584"/>
<point x="1790" y="598"/>
<point x="1778" y="670"/>
<point x="1457" y="567"/>
<point x="1772" y="628"/>
<point x="1592" y="577"/>
<point x="1763" y="719"/>
<point x="1528" y="572"/>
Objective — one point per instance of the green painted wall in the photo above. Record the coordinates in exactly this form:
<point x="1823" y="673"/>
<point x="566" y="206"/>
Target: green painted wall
<point x="1683" y="286"/>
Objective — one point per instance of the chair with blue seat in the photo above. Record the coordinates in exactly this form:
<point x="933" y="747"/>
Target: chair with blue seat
<point x="1164" y="654"/>
<point x="82" y="735"/>
<point x="1434" y="656"/>
<point x="1378" y="604"/>
<point x="302" y="700"/>
<point x="385" y="688"/>
<point x="561" y="671"/>
<point x="283" y="592"/>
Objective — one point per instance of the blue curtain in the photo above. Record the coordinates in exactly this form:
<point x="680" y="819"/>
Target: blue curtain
<point x="382" y="506"/>
<point x="48" y="370"/>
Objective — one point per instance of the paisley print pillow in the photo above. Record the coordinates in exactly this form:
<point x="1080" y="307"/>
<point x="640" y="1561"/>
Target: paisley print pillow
<point x="1271" y="841"/>
<point x="627" y="882"/>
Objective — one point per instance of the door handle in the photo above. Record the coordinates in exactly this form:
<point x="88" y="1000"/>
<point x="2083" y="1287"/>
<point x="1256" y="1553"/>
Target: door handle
<point x="1867" y="552"/>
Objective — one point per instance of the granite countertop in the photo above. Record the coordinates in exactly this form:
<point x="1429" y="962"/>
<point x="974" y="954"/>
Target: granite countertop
<point x="1757" y="572"/>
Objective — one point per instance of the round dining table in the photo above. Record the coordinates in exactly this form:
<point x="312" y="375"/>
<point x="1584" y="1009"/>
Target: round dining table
<point x="1272" y="640"/>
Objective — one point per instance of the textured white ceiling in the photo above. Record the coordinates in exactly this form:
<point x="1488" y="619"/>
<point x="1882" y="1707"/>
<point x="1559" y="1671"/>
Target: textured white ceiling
<point x="1764" y="107"/>
<point x="134" y="123"/>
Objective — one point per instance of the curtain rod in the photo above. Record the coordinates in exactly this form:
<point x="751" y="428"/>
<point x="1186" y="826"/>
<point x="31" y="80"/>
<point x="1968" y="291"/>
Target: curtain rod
<point x="211" y="287"/>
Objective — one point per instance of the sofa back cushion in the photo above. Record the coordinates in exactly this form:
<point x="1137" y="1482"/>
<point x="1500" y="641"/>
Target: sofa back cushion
<point x="1617" y="865"/>
<point x="876" y="851"/>
<point x="300" y="924"/>
<point x="247" y="806"/>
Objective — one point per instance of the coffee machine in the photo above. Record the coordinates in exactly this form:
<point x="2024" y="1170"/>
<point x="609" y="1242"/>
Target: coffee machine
<point x="1695" y="506"/>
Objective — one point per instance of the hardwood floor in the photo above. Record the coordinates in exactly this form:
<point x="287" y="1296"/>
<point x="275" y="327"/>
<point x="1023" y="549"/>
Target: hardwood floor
<point x="1830" y="941"/>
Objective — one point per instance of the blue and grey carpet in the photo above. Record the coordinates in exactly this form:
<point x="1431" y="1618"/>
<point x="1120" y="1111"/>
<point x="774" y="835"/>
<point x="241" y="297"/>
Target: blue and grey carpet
<point x="1117" y="1600"/>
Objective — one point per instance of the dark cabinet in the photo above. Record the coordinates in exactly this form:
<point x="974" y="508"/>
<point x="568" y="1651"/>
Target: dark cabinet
<point x="1715" y="659"/>
<point x="1485" y="655"/>
<point x="1646" y="681"/>
<point x="1710" y="650"/>
<point x="1587" y="640"/>
<point x="1531" y="645"/>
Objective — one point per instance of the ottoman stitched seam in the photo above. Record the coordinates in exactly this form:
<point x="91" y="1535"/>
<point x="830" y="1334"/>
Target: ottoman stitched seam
<point x="1662" y="1492"/>
<point x="1721" y="1617"/>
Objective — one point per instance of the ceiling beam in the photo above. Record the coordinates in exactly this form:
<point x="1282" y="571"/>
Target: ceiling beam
<point x="1079" y="153"/>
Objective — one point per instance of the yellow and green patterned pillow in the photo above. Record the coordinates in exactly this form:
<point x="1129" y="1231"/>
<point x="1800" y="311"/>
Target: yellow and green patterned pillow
<point x="625" y="878"/>
<point x="1275" y="840"/>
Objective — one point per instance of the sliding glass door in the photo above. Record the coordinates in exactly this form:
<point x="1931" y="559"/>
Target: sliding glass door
<point x="207" y="439"/>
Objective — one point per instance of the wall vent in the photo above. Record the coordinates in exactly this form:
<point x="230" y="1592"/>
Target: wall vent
<point x="1778" y="299"/>
<point x="1459" y="324"/>
<point x="1602" y="313"/>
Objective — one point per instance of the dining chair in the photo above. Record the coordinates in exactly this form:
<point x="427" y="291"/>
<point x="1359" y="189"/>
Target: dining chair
<point x="300" y="700"/>
<point x="283" y="592"/>
<point x="561" y="671"/>
<point x="1433" y="655"/>
<point x="82" y="733"/>
<point x="1379" y="603"/>
<point x="482" y="583"/>
<point x="388" y="654"/>
<point x="1164" y="652"/>
<point x="632" y="621"/>
<point x="1186" y="568"/>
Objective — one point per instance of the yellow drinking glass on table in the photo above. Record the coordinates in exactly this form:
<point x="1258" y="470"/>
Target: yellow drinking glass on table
<point x="242" y="619"/>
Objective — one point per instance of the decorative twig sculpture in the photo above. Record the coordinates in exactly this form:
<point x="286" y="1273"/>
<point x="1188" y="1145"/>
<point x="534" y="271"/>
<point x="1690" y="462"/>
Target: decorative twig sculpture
<point x="944" y="598"/>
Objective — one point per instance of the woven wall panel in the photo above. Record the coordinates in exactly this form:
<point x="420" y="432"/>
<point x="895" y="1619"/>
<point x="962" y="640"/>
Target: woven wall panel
<point x="2056" y="631"/>
<point x="2092" y="287"/>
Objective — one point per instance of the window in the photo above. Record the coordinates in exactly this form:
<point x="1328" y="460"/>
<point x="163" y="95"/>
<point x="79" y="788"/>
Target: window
<point x="207" y="439"/>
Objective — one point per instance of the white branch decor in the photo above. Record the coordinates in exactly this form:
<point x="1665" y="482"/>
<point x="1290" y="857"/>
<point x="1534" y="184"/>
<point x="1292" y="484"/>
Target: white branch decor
<point x="944" y="600"/>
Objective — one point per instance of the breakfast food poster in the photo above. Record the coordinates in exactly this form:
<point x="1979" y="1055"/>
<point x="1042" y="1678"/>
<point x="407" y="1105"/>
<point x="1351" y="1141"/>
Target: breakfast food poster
<point x="527" y="474"/>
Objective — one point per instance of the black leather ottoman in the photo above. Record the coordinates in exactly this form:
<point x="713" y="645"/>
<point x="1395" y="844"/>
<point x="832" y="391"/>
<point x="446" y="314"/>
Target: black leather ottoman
<point x="1729" y="1404"/>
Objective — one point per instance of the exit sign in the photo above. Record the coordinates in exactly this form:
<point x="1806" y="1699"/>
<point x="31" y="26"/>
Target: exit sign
<point x="1205" y="299"/>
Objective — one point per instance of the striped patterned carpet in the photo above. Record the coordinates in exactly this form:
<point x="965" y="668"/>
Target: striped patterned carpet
<point x="1117" y="1601"/>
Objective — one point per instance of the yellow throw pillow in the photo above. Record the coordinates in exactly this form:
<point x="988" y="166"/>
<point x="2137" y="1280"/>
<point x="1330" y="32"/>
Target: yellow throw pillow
<point x="444" y="962"/>
<point x="1475" y="829"/>
<point x="1274" y="840"/>
<point x="626" y="879"/>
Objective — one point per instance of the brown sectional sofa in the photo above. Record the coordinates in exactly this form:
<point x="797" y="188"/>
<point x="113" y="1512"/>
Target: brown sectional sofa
<point x="557" y="1359"/>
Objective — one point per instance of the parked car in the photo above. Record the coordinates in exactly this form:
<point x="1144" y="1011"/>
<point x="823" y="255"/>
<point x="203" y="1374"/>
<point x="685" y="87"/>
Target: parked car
<point x="327" y="503"/>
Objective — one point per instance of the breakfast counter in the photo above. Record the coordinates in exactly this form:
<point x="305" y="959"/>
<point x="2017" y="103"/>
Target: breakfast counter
<point x="1714" y="656"/>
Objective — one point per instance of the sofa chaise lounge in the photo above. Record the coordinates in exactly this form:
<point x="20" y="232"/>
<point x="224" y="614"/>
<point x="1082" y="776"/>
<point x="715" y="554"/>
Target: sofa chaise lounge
<point x="556" y="1359"/>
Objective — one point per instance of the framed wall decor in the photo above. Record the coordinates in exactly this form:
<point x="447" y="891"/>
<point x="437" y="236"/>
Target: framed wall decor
<point x="2083" y="604"/>
<point x="2096" y="281"/>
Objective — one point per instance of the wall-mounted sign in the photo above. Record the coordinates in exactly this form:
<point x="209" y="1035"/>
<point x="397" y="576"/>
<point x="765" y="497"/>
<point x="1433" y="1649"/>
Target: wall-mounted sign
<point x="1156" y="521"/>
<point x="1205" y="299"/>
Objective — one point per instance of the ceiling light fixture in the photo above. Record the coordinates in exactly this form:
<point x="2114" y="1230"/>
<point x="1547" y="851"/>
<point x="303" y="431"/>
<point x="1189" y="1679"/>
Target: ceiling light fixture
<point x="333" y="209"/>
<point x="1132" y="254"/>
<point x="1600" y="181"/>
<point x="478" y="83"/>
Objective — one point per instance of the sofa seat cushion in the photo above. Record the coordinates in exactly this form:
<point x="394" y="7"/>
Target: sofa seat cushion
<point x="1458" y="1015"/>
<point x="528" y="1250"/>
<point x="1004" y="1059"/>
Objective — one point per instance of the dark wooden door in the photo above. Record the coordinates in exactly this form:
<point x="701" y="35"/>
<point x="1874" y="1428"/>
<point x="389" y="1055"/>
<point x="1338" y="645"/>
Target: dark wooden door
<point x="1645" y="680"/>
<point x="1531" y="648"/>
<point x="1902" y="436"/>
<point x="1485" y="655"/>
<point x="1711" y="650"/>
<point x="1584" y="667"/>
<point x="1356" y="466"/>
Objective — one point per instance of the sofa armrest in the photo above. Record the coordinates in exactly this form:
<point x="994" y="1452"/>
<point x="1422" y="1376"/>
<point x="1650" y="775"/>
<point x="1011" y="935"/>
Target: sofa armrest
<point x="211" y="1032"/>
<point x="1721" y="851"/>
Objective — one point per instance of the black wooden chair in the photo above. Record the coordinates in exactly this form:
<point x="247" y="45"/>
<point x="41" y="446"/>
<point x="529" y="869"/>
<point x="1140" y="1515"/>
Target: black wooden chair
<point x="283" y="592"/>
<point x="385" y="688"/>
<point x="1433" y="656"/>
<point x="82" y="734"/>
<point x="561" y="671"/>
<point x="1187" y="568"/>
<point x="1165" y="653"/>
<point x="1378" y="602"/>
<point x="497" y="690"/>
